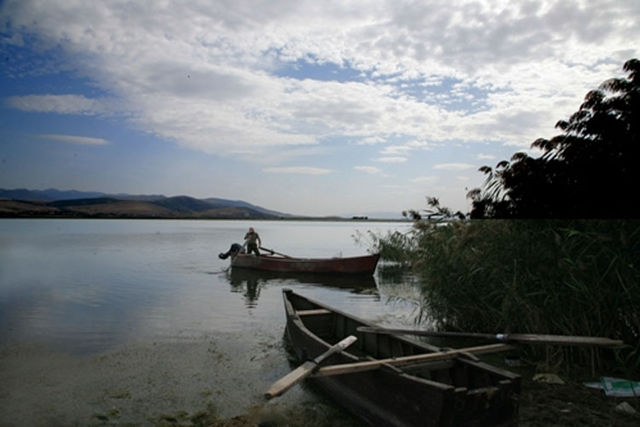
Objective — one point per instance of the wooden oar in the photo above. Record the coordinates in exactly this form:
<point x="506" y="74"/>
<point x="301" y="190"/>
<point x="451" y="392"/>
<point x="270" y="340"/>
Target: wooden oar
<point x="274" y="252"/>
<point x="369" y="365"/>
<point x="523" y="338"/>
<point x="306" y="369"/>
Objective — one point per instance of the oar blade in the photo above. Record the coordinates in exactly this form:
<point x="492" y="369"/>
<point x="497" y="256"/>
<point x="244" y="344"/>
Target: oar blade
<point x="291" y="379"/>
<point x="306" y="369"/>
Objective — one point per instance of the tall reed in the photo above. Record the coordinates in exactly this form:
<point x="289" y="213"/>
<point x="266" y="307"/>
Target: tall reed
<point x="558" y="277"/>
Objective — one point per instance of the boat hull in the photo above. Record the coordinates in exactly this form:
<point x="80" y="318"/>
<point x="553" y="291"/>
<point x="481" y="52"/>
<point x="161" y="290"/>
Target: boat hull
<point x="351" y="265"/>
<point x="454" y="392"/>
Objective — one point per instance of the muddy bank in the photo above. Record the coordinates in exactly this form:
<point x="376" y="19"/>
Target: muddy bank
<point x="219" y="381"/>
<point x="571" y="404"/>
<point x="206" y="381"/>
<point x="542" y="405"/>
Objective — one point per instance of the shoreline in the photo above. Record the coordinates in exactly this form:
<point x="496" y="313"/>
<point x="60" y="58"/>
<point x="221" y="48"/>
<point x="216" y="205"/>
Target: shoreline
<point x="200" y="382"/>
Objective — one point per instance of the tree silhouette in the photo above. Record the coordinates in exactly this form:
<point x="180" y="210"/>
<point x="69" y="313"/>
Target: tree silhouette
<point x="589" y="171"/>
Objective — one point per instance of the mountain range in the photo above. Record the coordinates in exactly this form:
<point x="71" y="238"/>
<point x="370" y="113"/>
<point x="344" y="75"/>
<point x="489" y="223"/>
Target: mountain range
<point x="81" y="204"/>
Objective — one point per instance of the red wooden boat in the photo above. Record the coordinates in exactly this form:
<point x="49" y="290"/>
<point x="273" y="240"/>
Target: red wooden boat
<point x="350" y="265"/>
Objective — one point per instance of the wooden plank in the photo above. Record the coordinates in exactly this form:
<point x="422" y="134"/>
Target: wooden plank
<point x="428" y="365"/>
<point x="312" y="312"/>
<point x="349" y="368"/>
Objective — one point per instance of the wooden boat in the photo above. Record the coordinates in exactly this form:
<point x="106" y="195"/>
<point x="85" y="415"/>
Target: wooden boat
<point x="349" y="265"/>
<point x="456" y="391"/>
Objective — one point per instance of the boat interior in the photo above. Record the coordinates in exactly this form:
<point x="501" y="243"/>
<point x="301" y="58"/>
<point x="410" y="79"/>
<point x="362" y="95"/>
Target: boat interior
<point x="462" y="372"/>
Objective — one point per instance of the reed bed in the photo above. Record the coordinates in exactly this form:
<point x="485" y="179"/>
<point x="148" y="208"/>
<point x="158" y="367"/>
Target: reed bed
<point x="578" y="277"/>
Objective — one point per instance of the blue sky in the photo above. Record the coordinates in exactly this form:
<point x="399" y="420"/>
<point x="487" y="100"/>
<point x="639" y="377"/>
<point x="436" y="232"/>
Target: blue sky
<point x="304" y="107"/>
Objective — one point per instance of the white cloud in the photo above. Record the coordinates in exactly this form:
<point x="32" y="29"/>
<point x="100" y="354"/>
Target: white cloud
<point x="74" y="139"/>
<point x="212" y="76"/>
<point x="61" y="104"/>
<point x="371" y="140"/>
<point x="392" y="150"/>
<point x="425" y="179"/>
<point x="393" y="159"/>
<point x="454" y="166"/>
<point x="298" y="170"/>
<point x="368" y="169"/>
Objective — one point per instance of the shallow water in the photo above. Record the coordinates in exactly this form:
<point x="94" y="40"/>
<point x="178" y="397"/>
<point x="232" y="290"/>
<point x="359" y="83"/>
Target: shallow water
<point x="129" y="321"/>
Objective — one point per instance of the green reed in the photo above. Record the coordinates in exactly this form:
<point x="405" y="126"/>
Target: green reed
<point x="578" y="277"/>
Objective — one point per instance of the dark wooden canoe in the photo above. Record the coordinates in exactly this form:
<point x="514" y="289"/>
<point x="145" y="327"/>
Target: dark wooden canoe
<point x="457" y="391"/>
<point x="350" y="265"/>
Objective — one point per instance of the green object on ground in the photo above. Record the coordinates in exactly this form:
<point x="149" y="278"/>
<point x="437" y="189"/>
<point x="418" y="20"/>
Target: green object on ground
<point x="617" y="387"/>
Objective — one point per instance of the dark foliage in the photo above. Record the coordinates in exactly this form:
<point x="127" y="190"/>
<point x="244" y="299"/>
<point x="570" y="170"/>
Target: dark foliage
<point x="589" y="171"/>
<point x="566" y="277"/>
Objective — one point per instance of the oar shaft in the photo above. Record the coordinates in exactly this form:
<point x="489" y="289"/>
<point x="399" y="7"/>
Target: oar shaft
<point x="562" y="339"/>
<point x="528" y="338"/>
<point x="350" y="368"/>
<point x="274" y="252"/>
<point x="442" y="334"/>
<point x="306" y="369"/>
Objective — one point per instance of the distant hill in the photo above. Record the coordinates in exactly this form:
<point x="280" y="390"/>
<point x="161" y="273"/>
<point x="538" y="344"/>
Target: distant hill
<point x="47" y="195"/>
<point x="56" y="203"/>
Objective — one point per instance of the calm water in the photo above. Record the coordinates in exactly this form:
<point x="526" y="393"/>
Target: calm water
<point x="83" y="290"/>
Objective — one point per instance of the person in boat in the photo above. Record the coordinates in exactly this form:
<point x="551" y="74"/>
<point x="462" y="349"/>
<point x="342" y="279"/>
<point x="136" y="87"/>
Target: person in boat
<point x="236" y="248"/>
<point x="252" y="241"/>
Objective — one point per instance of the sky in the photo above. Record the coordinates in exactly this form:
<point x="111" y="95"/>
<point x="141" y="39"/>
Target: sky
<point x="346" y="107"/>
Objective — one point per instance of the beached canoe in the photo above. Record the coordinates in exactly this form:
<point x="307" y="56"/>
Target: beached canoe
<point x="348" y="265"/>
<point x="454" y="390"/>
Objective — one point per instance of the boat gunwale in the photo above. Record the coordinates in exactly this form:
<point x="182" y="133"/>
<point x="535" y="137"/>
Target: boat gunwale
<point x="363" y="264"/>
<point x="280" y="258"/>
<point x="428" y="348"/>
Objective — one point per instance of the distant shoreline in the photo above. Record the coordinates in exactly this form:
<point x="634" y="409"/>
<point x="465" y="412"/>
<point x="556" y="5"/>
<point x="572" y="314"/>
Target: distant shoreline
<point x="76" y="205"/>
<point x="191" y="218"/>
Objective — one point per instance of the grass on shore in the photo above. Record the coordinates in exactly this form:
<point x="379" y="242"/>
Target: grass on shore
<point x="579" y="277"/>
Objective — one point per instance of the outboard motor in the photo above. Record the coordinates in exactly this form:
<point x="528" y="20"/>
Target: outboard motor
<point x="233" y="250"/>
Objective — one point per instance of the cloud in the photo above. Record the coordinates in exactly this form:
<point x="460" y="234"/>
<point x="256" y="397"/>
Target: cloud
<point x="73" y="139"/>
<point x="425" y="179"/>
<point x="454" y="166"/>
<point x="215" y="77"/>
<point x="372" y="140"/>
<point x="368" y="169"/>
<point x="61" y="104"/>
<point x="394" y="159"/>
<point x="298" y="170"/>
<point x="396" y="150"/>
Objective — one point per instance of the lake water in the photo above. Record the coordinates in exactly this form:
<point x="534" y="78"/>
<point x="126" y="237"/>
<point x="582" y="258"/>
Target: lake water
<point x="118" y="321"/>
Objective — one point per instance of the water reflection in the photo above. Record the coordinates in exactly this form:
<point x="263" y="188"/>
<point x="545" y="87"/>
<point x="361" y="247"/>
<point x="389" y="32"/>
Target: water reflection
<point x="149" y="299"/>
<point x="251" y="282"/>
<point x="248" y="285"/>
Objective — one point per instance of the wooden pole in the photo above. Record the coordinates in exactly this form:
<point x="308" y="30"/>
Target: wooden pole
<point x="274" y="252"/>
<point x="306" y="369"/>
<point x="522" y="338"/>
<point x="369" y="365"/>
